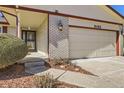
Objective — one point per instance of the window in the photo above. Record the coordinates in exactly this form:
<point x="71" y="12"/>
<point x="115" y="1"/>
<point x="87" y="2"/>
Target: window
<point x="1" y="15"/>
<point x="1" y="29"/>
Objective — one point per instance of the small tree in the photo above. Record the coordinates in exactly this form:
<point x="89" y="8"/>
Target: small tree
<point x="12" y="49"/>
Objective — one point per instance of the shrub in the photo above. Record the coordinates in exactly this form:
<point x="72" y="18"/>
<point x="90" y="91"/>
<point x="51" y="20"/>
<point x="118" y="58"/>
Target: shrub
<point x="45" y="81"/>
<point x="61" y="61"/>
<point x="57" y="62"/>
<point x="12" y="49"/>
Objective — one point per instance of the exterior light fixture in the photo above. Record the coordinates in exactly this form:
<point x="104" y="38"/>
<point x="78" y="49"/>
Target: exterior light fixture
<point x="60" y="26"/>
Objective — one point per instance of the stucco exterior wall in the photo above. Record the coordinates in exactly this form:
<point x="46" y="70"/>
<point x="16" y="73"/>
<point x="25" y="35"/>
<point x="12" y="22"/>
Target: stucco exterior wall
<point x="87" y="23"/>
<point x="91" y="11"/>
<point x="11" y="30"/>
<point x="58" y="40"/>
<point x="42" y="39"/>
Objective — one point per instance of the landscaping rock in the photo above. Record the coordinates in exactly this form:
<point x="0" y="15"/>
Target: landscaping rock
<point x="35" y="70"/>
<point x="34" y="64"/>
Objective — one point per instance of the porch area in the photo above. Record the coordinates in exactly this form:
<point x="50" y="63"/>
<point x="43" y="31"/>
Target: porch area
<point x="30" y="26"/>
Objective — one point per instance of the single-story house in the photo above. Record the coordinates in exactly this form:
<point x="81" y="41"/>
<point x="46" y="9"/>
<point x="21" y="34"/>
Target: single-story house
<point x="66" y="31"/>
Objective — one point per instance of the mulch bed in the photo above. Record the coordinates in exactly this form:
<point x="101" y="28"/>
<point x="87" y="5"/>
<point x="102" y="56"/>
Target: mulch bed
<point x="15" y="77"/>
<point x="68" y="67"/>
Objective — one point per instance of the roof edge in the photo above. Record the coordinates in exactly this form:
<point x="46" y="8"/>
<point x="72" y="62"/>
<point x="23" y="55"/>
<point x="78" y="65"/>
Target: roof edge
<point x="115" y="11"/>
<point x="59" y="14"/>
<point x="7" y="23"/>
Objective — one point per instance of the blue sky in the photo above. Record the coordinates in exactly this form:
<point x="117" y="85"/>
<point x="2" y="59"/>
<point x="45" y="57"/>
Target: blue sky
<point x="0" y="14"/>
<point x="119" y="8"/>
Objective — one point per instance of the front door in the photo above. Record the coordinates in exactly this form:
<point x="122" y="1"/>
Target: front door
<point x="30" y="39"/>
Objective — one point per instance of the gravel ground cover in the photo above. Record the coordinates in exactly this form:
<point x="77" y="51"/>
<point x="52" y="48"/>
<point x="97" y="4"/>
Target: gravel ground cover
<point x="16" y="77"/>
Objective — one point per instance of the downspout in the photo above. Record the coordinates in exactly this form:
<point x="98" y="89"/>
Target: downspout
<point x="18" y="26"/>
<point x="48" y="39"/>
<point x="121" y="41"/>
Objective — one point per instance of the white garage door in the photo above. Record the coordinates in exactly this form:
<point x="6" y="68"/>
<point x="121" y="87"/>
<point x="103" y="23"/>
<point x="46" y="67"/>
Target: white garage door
<point x="84" y="43"/>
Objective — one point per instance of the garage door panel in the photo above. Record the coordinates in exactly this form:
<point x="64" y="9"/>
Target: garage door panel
<point x="80" y="37"/>
<point x="108" y="48"/>
<point x="91" y="43"/>
<point x="105" y="53"/>
<point x="83" y="54"/>
<point x="95" y="46"/>
<point x="85" y="39"/>
<point x="84" y="46"/>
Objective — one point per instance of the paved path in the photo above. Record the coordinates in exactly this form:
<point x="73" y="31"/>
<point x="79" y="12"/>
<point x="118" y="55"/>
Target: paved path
<point x="109" y="71"/>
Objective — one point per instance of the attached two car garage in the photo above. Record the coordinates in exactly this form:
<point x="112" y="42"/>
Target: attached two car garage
<point x="87" y="43"/>
<point x="91" y="43"/>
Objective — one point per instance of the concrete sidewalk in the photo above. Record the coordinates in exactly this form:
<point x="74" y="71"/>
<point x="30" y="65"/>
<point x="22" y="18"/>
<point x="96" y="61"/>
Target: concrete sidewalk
<point x="83" y="80"/>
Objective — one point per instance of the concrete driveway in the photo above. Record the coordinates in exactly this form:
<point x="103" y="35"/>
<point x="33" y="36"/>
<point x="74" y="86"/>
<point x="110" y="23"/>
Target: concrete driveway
<point x="109" y="71"/>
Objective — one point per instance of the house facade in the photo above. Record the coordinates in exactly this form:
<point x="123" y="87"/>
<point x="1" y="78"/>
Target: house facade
<point x="61" y="31"/>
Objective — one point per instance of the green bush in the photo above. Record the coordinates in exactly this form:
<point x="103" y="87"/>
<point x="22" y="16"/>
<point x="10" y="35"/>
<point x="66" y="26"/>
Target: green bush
<point x="12" y="49"/>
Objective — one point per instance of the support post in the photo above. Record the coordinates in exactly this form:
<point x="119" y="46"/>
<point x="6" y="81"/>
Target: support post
<point x="117" y="44"/>
<point x="18" y="26"/>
